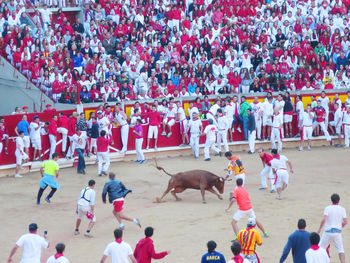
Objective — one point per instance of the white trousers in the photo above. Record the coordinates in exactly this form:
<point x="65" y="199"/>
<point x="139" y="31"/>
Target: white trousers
<point x="103" y="157"/>
<point x="251" y="140"/>
<point x="64" y="133"/>
<point x="267" y="171"/>
<point x="210" y="144"/>
<point x="222" y="137"/>
<point x="347" y="134"/>
<point x="194" y="142"/>
<point x="324" y="129"/>
<point x="124" y="131"/>
<point x="258" y="127"/>
<point x="332" y="238"/>
<point x="276" y="135"/>
<point x="139" y="152"/>
<point x="93" y="144"/>
<point x="52" y="139"/>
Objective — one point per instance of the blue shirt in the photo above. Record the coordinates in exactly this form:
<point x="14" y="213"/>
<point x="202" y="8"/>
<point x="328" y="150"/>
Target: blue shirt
<point x="299" y="242"/>
<point x="214" y="257"/>
<point x="23" y="126"/>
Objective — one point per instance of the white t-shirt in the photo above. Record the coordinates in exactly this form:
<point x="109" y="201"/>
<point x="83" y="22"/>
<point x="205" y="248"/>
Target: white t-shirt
<point x="34" y="132"/>
<point x="118" y="252"/>
<point x="280" y="163"/>
<point x="121" y="119"/>
<point x="316" y="256"/>
<point x="195" y="126"/>
<point x="80" y="140"/>
<point x="223" y="123"/>
<point x="268" y="109"/>
<point x="213" y="109"/>
<point x="19" y="143"/>
<point x="300" y="107"/>
<point x="103" y="124"/>
<point x="277" y="120"/>
<point x="32" y="245"/>
<point x="210" y="131"/>
<point x="87" y="197"/>
<point x="181" y="113"/>
<point x="191" y="111"/>
<point x="338" y="115"/>
<point x="256" y="109"/>
<point x="229" y="110"/>
<point x="324" y="102"/>
<point x="307" y="121"/>
<point x="279" y="104"/>
<point x="62" y="259"/>
<point x="171" y="112"/>
<point x="335" y="215"/>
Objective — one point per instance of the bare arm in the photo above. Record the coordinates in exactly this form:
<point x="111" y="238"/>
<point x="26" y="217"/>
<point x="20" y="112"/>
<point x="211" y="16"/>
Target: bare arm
<point x="230" y="205"/>
<point x="322" y="223"/>
<point x="290" y="166"/>
<point x="57" y="173"/>
<point x="345" y="222"/>
<point x="13" y="252"/>
<point x="132" y="258"/>
<point x="16" y="131"/>
<point x="103" y="259"/>
<point x="42" y="171"/>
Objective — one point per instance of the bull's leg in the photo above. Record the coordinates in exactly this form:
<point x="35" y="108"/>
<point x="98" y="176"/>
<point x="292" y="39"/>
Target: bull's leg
<point x="177" y="190"/>
<point x="165" y="193"/>
<point x="215" y="193"/>
<point x="203" y="194"/>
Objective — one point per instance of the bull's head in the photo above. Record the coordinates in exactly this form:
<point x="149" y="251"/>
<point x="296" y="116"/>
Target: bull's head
<point x="220" y="184"/>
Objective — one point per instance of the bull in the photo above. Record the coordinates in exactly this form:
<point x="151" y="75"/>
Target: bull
<point x="194" y="179"/>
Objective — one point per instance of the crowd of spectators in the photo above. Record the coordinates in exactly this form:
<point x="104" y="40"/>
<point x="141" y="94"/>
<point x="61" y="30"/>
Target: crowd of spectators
<point x="127" y="50"/>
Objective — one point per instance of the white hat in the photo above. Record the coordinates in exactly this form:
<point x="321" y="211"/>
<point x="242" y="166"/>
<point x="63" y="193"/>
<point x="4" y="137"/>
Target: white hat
<point x="99" y="112"/>
<point x="251" y="222"/>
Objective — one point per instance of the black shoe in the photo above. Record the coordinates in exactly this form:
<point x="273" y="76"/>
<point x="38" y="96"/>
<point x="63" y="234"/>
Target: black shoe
<point x="80" y="172"/>
<point x="208" y="159"/>
<point x="104" y="173"/>
<point x="217" y="154"/>
<point x="83" y="172"/>
<point x="250" y="152"/>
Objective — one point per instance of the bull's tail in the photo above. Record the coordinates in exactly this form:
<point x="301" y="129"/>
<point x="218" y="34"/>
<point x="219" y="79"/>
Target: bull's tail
<point x="161" y="168"/>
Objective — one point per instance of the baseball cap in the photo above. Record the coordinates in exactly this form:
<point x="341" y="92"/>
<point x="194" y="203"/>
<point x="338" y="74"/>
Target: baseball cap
<point x="33" y="227"/>
<point x="251" y="222"/>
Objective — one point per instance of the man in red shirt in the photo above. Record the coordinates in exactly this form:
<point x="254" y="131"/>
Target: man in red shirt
<point x="63" y="129"/>
<point x="52" y="135"/>
<point x="103" y="153"/>
<point x="154" y="121"/>
<point x="72" y="124"/>
<point x="245" y="207"/>
<point x="320" y="113"/>
<point x="3" y="135"/>
<point x="267" y="170"/>
<point x="144" y="250"/>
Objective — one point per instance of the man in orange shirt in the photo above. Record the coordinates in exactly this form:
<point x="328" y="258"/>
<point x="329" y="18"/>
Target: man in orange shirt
<point x="249" y="238"/>
<point x="235" y="166"/>
<point x="245" y="207"/>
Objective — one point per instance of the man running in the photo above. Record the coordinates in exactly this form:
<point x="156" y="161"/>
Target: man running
<point x="245" y="207"/>
<point x="267" y="170"/>
<point x="235" y="166"/>
<point x="195" y="127"/>
<point x="210" y="131"/>
<point x="86" y="208"/>
<point x="49" y="170"/>
<point x="279" y="166"/>
<point x="116" y="193"/>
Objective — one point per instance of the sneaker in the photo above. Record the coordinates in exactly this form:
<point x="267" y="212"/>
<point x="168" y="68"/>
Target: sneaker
<point x="142" y="162"/>
<point x="137" y="161"/>
<point x="266" y="234"/>
<point x="339" y="146"/>
<point x="346" y="147"/>
<point x="263" y="188"/>
<point x="18" y="176"/>
<point x="309" y="148"/>
<point x="88" y="234"/>
<point x="104" y="173"/>
<point x="76" y="232"/>
<point x="217" y="154"/>
<point x="272" y="191"/>
<point x="208" y="159"/>
<point x="233" y="129"/>
<point x="47" y="200"/>
<point x="163" y="133"/>
<point x="147" y="148"/>
<point x="250" y="152"/>
<point x="300" y="148"/>
<point x="99" y="174"/>
<point x="137" y="222"/>
<point x="38" y="202"/>
<point x="169" y="134"/>
<point x="239" y="129"/>
<point x="268" y="138"/>
<point x="155" y="148"/>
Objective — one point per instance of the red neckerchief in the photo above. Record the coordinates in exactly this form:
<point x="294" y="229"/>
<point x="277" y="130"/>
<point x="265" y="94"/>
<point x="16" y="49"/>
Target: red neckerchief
<point x="58" y="255"/>
<point x="238" y="259"/>
<point x="277" y="156"/>
<point x="315" y="247"/>
<point x="118" y="240"/>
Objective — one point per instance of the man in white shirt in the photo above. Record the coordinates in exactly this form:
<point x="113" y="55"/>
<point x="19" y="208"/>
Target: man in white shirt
<point x="121" y="118"/>
<point x="299" y="108"/>
<point x="210" y="131"/>
<point x="257" y="109"/>
<point x="32" y="244"/>
<point x="58" y="257"/>
<point x="267" y="118"/>
<point x="228" y="110"/>
<point x="346" y="123"/>
<point x="169" y="119"/>
<point x="276" y="132"/>
<point x="337" y="123"/>
<point x="213" y="110"/>
<point x="118" y="250"/>
<point x="223" y="126"/>
<point x="236" y="249"/>
<point x="334" y="219"/>
<point x="279" y="168"/>
<point x="195" y="128"/>
<point x="325" y="104"/>
<point x="46" y="16"/>
<point x="86" y="208"/>
<point x="306" y="120"/>
<point x="35" y="137"/>
<point x="181" y="117"/>
<point x="80" y="141"/>
<point x="21" y="156"/>
<point x="103" y="122"/>
<point x="316" y="254"/>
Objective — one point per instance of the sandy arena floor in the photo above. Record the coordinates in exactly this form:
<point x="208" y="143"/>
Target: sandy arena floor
<point x="182" y="227"/>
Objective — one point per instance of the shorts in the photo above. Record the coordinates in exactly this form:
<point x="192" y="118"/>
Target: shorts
<point x="282" y="177"/>
<point x="20" y="157"/>
<point x="169" y="122"/>
<point x="240" y="213"/>
<point x="267" y="121"/>
<point x="332" y="238"/>
<point x="36" y="143"/>
<point x="252" y="258"/>
<point x="183" y="126"/>
<point x="152" y="132"/>
<point x="307" y="133"/>
<point x="118" y="205"/>
<point x="82" y="210"/>
<point x="26" y="141"/>
<point x="287" y="118"/>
